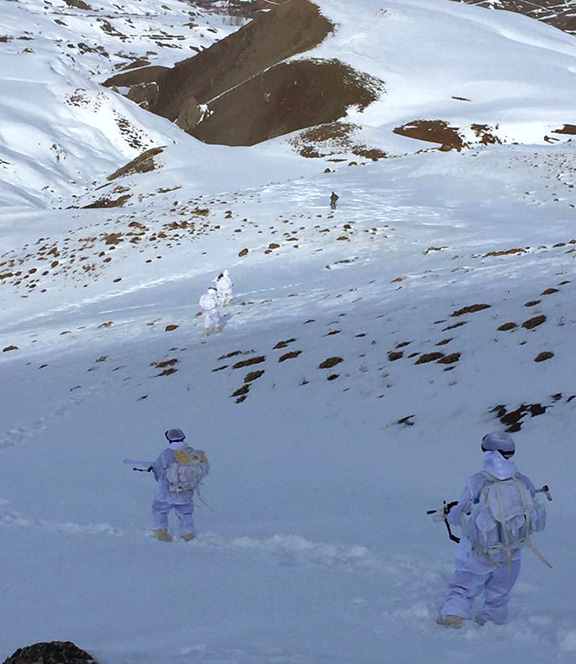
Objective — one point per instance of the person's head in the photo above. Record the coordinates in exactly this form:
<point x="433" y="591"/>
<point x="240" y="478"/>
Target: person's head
<point x="211" y="290"/>
<point x="499" y="442"/>
<point x="220" y="275"/>
<point x="175" y="435"/>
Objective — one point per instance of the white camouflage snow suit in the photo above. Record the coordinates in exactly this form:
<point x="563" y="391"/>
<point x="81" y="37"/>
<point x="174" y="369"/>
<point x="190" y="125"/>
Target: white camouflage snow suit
<point x="209" y="304"/>
<point x="166" y="500"/>
<point x="224" y="287"/>
<point x="474" y="575"/>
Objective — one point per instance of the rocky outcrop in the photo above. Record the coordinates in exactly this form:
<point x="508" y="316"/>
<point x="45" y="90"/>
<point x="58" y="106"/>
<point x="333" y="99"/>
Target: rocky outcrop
<point x="53" y="652"/>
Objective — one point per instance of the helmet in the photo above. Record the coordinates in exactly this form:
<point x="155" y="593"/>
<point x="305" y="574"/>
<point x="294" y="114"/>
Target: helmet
<point x="499" y="442"/>
<point x="175" y="435"/>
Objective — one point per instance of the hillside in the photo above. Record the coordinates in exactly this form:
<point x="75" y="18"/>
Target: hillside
<point x="559" y="13"/>
<point x="381" y="72"/>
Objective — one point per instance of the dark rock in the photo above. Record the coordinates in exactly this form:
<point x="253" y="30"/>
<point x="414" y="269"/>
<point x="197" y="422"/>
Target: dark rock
<point x="53" y="652"/>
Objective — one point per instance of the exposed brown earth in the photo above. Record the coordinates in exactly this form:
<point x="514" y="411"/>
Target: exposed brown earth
<point x="285" y="98"/>
<point x="433" y="131"/>
<point x="559" y="13"/>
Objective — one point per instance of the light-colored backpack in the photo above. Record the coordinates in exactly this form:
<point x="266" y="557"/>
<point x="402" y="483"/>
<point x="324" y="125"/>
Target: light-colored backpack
<point x="188" y="469"/>
<point x="503" y="518"/>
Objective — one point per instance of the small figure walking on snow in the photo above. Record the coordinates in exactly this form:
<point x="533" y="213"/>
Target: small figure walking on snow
<point x="497" y="513"/>
<point x="179" y="470"/>
<point x="209" y="304"/>
<point x="224" y="288"/>
<point x="333" y="200"/>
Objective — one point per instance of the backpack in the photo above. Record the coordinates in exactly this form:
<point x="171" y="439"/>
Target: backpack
<point x="188" y="469"/>
<point x="502" y="518"/>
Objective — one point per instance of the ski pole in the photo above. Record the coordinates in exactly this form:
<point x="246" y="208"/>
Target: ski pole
<point x="142" y="470"/>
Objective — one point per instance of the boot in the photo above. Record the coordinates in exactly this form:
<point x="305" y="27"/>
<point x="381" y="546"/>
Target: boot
<point x="216" y="329"/>
<point x="188" y="537"/>
<point x="452" y="621"/>
<point x="162" y="534"/>
<point x="206" y="331"/>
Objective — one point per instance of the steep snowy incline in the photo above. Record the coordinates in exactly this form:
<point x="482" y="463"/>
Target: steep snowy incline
<point x="366" y="352"/>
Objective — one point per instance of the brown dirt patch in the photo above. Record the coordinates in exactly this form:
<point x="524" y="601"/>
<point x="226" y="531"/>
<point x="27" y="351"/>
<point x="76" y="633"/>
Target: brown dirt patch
<point x="246" y="363"/>
<point x="531" y="323"/>
<point x="106" y="202"/>
<point x="394" y="355"/>
<point x="293" y="354"/>
<point x="543" y="356"/>
<point x="505" y="252"/>
<point x="433" y="131"/>
<point x="253" y="375"/>
<point x="143" y="163"/>
<point x="449" y="359"/>
<point x="330" y="362"/>
<point x="284" y="344"/>
<point x="470" y="309"/>
<point x="507" y="326"/>
<point x="429" y="357"/>
<point x="569" y="129"/>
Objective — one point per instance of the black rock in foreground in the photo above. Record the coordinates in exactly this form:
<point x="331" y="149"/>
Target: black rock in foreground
<point x="54" y="652"/>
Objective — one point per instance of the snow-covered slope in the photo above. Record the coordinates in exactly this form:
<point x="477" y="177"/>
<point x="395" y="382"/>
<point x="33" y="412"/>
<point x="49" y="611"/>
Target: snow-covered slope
<point x="60" y="130"/>
<point x="316" y="546"/>
<point x="459" y="64"/>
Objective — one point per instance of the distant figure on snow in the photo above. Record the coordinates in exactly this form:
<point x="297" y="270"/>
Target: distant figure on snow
<point x="224" y="288"/>
<point x="333" y="200"/>
<point x="497" y="513"/>
<point x="209" y="304"/>
<point x="178" y="471"/>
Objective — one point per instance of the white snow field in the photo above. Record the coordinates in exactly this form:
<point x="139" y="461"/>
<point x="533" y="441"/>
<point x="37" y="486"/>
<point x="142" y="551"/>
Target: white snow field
<point x="314" y="545"/>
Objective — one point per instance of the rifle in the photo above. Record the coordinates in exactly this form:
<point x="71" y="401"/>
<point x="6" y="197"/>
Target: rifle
<point x="441" y="513"/>
<point x="140" y="466"/>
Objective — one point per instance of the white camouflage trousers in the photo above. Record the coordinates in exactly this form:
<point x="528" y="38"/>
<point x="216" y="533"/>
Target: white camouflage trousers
<point x="495" y="584"/>
<point x="185" y="514"/>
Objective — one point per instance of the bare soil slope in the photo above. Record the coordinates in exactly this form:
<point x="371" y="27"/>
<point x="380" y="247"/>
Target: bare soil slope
<point x="285" y="98"/>
<point x="559" y="13"/>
